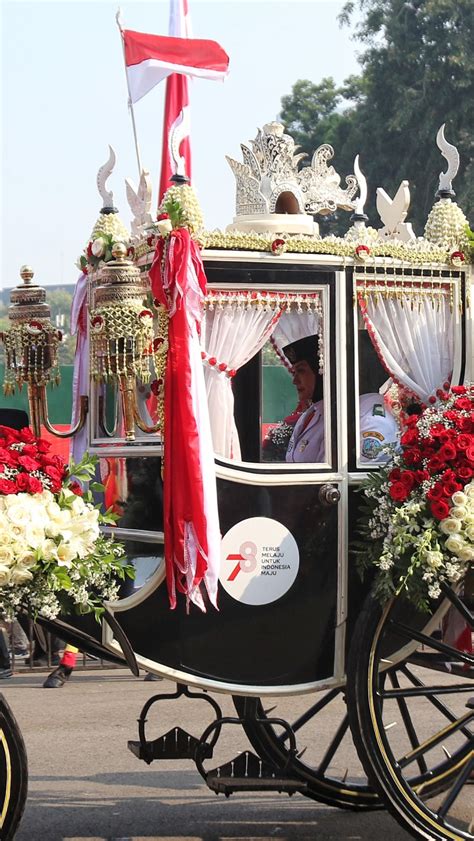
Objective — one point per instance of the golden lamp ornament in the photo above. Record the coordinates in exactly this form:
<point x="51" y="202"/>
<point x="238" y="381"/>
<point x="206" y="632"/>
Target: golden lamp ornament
<point x="122" y="339"/>
<point x="31" y="352"/>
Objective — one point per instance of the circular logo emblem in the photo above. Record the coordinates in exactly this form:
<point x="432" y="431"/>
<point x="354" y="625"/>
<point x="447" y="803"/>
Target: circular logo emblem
<point x="259" y="561"/>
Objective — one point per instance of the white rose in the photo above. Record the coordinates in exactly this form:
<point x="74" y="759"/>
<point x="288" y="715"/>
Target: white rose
<point x="459" y="498"/>
<point x="7" y="555"/>
<point x="469" y="490"/>
<point x="470" y="532"/>
<point x="455" y="543"/>
<point x="164" y="227"/>
<point x="19" y="514"/>
<point x="466" y="553"/>
<point x="5" y="573"/>
<point x="434" y="559"/>
<point x="459" y="512"/>
<point x="20" y="575"/>
<point x="450" y="525"/>
<point x="98" y="247"/>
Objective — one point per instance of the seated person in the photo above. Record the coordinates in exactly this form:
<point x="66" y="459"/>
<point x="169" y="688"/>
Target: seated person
<point x="378" y="427"/>
<point x="307" y="440"/>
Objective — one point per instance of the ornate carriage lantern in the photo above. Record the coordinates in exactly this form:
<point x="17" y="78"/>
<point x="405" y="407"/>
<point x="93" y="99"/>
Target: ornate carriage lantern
<point x="31" y="351"/>
<point x="123" y="342"/>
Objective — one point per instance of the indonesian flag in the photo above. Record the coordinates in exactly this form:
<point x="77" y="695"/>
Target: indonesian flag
<point x="151" y="58"/>
<point x="191" y="520"/>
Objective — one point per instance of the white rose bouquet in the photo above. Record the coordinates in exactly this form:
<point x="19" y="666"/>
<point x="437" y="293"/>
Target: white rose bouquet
<point x="53" y="556"/>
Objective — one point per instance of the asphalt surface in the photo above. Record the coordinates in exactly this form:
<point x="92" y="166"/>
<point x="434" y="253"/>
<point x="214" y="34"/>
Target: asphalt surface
<point x="85" y="784"/>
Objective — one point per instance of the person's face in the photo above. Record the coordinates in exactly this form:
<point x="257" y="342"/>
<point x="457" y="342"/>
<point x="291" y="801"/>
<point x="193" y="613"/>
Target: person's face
<point x="304" y="380"/>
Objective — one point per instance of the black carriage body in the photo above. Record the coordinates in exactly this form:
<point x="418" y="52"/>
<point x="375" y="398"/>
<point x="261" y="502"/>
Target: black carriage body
<point x="297" y="641"/>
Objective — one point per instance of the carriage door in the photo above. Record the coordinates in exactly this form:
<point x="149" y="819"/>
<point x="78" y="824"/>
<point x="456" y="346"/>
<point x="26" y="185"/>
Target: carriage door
<point x="269" y="341"/>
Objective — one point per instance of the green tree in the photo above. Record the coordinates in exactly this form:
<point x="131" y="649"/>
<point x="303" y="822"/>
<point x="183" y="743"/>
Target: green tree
<point x="417" y="72"/>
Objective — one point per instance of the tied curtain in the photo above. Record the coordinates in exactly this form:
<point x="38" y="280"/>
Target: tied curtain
<point x="235" y="327"/>
<point x="412" y="329"/>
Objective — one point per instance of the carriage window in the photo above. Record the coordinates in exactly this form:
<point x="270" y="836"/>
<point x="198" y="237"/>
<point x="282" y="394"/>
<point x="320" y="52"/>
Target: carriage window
<point x="265" y="349"/>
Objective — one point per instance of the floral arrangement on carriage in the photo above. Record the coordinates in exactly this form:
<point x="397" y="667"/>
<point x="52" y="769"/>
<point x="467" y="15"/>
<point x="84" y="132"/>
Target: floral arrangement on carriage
<point x="417" y="525"/>
<point x="53" y="556"/>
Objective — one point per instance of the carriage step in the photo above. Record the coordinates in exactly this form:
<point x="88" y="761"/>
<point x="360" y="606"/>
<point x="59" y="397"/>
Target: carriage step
<point x="175" y="744"/>
<point x="247" y="772"/>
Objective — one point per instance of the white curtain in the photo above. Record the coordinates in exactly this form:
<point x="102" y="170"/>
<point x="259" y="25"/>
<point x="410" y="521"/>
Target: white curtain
<point x="413" y="334"/>
<point x="231" y="333"/>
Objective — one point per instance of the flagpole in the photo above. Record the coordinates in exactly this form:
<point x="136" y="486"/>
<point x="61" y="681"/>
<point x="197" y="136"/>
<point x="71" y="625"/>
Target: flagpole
<point x="130" y="103"/>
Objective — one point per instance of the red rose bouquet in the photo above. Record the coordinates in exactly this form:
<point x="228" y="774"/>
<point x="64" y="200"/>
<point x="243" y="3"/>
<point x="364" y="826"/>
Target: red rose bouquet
<point x="418" y="525"/>
<point x="53" y="554"/>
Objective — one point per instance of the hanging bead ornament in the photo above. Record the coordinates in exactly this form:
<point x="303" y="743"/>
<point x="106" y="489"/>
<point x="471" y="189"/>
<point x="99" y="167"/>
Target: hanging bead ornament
<point x="31" y="343"/>
<point x="122" y="334"/>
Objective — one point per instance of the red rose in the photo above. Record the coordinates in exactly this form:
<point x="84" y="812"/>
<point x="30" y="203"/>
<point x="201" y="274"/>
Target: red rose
<point x="409" y="437"/>
<point x="22" y="482"/>
<point x="34" y="485"/>
<point x="421" y="476"/>
<point x="76" y="488"/>
<point x="465" y="473"/>
<point x="30" y="464"/>
<point x="435" y="464"/>
<point x="8" y="457"/>
<point x="463" y="403"/>
<point x="395" y="474"/>
<point x="439" y="509"/>
<point x="464" y="441"/>
<point x="407" y="478"/>
<point x="448" y="452"/>
<point x="53" y="473"/>
<point x="450" y="415"/>
<point x="412" y="456"/>
<point x="278" y="246"/>
<point x="470" y="453"/>
<point x="435" y="493"/>
<point x="11" y="435"/>
<point x="450" y="487"/>
<point x="398" y="491"/>
<point x="27" y="436"/>
<point x="458" y="389"/>
<point x="465" y="424"/>
<point x="7" y="487"/>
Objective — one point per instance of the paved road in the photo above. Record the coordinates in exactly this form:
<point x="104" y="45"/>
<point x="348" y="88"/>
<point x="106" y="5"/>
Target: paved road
<point x="85" y="784"/>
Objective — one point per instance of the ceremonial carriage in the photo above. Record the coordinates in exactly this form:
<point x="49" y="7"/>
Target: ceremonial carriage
<point x="296" y="633"/>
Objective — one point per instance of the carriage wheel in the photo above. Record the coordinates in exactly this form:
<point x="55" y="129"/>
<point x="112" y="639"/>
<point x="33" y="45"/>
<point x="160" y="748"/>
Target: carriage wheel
<point x="413" y="720"/>
<point x="326" y="759"/>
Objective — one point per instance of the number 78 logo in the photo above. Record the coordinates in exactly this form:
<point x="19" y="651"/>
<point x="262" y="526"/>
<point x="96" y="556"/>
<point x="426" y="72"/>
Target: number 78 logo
<point x="246" y="558"/>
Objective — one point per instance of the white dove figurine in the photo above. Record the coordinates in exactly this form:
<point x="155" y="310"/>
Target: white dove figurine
<point x="393" y="214"/>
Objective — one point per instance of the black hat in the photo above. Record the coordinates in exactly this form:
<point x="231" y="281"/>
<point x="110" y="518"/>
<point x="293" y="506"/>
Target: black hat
<point x="13" y="418"/>
<point x="305" y="349"/>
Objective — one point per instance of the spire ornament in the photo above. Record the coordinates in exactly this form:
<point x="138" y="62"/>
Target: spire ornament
<point x="451" y="154"/>
<point x="446" y="224"/>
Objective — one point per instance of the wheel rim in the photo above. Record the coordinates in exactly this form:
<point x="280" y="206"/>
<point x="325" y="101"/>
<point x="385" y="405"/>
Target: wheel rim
<point x="434" y="798"/>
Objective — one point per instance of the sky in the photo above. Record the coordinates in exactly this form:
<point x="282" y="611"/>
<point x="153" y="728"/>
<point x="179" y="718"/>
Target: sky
<point x="64" y="100"/>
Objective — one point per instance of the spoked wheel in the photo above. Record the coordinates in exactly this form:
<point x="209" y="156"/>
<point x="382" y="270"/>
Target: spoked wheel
<point x="412" y="715"/>
<point x="327" y="760"/>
